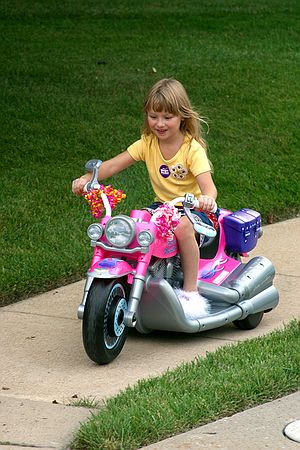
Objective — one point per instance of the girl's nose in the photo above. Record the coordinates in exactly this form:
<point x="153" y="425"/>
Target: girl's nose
<point x="161" y="121"/>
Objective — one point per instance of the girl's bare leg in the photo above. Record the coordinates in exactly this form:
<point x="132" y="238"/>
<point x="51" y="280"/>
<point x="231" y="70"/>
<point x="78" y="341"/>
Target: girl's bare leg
<point x="189" y="252"/>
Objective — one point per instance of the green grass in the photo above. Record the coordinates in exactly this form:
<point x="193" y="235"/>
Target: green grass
<point x="223" y="383"/>
<point x="85" y="402"/>
<point x="74" y="75"/>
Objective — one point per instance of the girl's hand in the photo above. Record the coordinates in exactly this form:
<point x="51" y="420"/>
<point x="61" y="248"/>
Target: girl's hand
<point x="206" y="203"/>
<point x="79" y="183"/>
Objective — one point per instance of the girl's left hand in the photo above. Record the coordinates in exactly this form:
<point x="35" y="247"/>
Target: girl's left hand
<point x="79" y="183"/>
<point x="206" y="203"/>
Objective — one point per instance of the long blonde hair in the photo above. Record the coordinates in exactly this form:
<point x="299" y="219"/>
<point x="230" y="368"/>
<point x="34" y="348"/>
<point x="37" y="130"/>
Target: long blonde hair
<point x="170" y="96"/>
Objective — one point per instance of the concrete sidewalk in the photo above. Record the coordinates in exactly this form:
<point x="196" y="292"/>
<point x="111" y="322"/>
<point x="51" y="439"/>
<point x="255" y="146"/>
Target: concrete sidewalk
<point x="44" y="367"/>
<point x="255" y="429"/>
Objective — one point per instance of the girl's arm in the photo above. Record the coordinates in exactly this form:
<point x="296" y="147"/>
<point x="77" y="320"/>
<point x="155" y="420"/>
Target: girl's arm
<point x="208" y="191"/>
<point x="108" y="168"/>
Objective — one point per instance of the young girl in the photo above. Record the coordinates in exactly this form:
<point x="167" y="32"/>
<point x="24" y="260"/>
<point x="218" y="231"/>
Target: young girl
<point x="175" y="155"/>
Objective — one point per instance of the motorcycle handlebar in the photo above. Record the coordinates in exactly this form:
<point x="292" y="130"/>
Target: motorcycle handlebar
<point x="93" y="165"/>
<point x="193" y="204"/>
<point x="188" y="201"/>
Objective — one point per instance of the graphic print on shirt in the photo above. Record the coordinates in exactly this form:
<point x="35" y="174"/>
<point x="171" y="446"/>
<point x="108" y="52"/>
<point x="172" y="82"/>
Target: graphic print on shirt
<point x="179" y="171"/>
<point x="164" y="171"/>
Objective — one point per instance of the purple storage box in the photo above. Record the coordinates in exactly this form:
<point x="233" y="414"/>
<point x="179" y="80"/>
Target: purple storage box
<point x="241" y="230"/>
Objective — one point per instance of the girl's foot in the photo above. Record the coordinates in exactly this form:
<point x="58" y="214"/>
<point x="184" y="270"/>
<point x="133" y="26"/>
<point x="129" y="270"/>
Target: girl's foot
<point x="193" y="304"/>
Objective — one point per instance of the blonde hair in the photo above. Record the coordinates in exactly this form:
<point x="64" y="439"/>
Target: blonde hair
<point x="170" y="96"/>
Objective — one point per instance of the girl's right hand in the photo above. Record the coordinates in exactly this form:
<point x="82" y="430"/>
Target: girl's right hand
<point x="206" y="203"/>
<point x="79" y="183"/>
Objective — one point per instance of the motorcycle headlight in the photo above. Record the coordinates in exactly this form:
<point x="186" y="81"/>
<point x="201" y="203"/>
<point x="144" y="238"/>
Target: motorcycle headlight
<point x="120" y="231"/>
<point x="145" y="238"/>
<point x="95" y="231"/>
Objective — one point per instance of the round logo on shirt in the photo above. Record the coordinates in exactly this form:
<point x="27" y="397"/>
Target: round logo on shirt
<point x="164" y="171"/>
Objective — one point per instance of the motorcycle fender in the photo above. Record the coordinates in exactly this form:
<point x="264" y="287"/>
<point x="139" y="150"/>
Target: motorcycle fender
<point x="110" y="268"/>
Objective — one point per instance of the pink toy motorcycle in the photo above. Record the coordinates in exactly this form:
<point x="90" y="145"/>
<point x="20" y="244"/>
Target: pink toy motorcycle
<point x="135" y="269"/>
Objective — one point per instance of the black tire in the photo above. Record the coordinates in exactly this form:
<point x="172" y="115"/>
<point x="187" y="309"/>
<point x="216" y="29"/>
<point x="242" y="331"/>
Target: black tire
<point x="234" y="255"/>
<point x="250" y="322"/>
<point x="103" y="329"/>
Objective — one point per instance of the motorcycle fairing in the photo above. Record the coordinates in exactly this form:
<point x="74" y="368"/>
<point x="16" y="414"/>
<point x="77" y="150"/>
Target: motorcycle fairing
<point x="216" y="270"/>
<point x="110" y="268"/>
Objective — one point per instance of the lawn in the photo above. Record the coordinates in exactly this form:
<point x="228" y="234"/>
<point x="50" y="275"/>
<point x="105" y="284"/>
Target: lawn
<point x="229" y="380"/>
<point x="74" y="75"/>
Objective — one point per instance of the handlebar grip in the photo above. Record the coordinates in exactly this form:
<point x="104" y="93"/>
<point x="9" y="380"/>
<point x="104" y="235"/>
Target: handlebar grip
<point x="93" y="165"/>
<point x="91" y="185"/>
<point x="196" y="205"/>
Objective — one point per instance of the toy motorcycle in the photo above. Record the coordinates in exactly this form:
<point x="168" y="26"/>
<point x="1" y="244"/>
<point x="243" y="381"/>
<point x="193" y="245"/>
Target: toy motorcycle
<point x="135" y="270"/>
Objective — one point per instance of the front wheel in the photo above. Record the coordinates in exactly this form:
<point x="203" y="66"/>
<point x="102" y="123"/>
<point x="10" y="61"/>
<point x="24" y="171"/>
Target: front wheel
<point x="250" y="322"/>
<point x="103" y="329"/>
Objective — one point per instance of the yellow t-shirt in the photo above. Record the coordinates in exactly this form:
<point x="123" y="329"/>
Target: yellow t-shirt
<point x="176" y="176"/>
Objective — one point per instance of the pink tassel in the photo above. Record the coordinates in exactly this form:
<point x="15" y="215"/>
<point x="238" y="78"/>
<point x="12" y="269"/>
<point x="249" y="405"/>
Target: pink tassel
<point x="166" y="218"/>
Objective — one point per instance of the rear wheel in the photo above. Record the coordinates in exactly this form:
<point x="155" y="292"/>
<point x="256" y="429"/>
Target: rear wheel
<point x="103" y="329"/>
<point x="250" y="322"/>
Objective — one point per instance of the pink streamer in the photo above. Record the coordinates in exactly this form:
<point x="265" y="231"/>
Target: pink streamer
<point x="166" y="218"/>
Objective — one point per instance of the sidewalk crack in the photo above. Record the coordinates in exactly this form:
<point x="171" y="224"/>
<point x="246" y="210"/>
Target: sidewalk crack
<point x="39" y="315"/>
<point x="16" y="444"/>
<point x="287" y="275"/>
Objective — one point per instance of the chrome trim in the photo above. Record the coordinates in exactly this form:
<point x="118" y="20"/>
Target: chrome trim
<point x="134" y="300"/>
<point x="88" y="283"/>
<point x="106" y="275"/>
<point x="117" y="249"/>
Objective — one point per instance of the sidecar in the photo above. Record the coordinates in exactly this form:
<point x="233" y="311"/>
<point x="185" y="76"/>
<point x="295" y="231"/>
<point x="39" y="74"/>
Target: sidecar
<point x="238" y="292"/>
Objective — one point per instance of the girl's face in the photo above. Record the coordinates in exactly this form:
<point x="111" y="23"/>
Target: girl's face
<point x="164" y="125"/>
